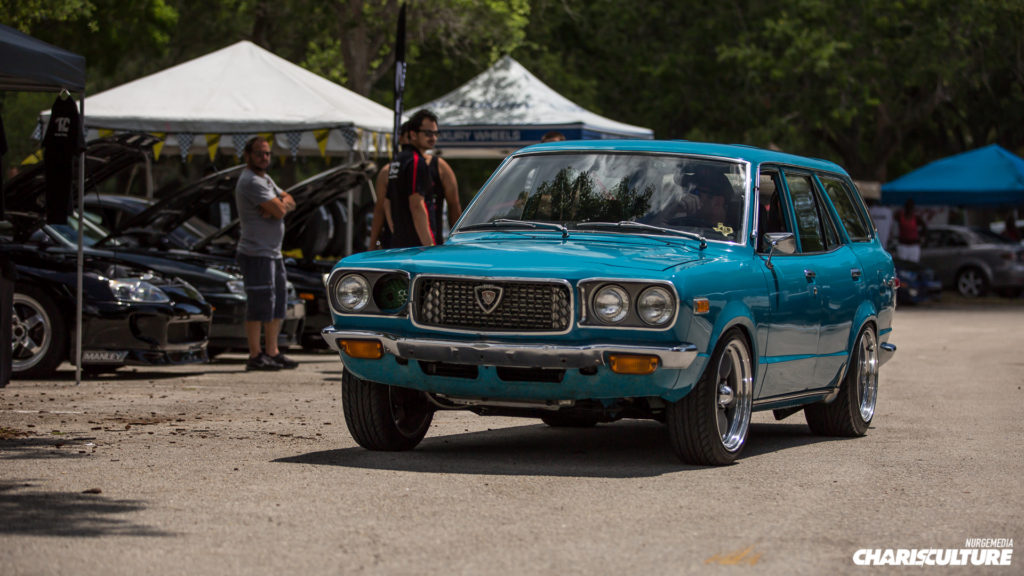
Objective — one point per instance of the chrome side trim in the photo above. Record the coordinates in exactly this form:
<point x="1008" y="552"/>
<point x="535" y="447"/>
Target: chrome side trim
<point x="511" y="355"/>
<point x="766" y="402"/>
<point x="885" y="352"/>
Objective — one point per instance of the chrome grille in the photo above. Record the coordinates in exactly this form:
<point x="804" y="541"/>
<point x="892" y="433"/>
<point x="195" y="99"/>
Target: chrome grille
<point x="525" y="306"/>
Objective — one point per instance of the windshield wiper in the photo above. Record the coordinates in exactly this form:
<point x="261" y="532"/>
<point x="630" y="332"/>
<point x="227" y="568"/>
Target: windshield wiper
<point x="641" y="226"/>
<point x="509" y="223"/>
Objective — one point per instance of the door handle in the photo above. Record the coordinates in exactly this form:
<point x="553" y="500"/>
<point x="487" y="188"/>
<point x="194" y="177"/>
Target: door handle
<point x="810" y="275"/>
<point x="855" y="273"/>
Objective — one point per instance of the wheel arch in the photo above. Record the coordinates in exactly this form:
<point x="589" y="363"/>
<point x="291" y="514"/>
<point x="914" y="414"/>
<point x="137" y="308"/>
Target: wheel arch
<point x="866" y="315"/>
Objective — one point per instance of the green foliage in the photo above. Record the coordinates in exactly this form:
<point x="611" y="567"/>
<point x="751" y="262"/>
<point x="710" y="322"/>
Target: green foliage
<point x="879" y="86"/>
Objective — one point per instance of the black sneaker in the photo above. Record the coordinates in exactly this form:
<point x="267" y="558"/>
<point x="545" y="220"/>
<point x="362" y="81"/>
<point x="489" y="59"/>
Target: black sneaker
<point x="284" y="361"/>
<point x="261" y="362"/>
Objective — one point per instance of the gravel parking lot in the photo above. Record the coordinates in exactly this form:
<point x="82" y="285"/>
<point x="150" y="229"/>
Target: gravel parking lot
<point x="211" y="470"/>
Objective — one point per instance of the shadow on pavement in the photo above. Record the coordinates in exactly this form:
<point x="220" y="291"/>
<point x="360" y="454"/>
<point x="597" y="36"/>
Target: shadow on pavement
<point x="126" y="373"/>
<point x="64" y="514"/>
<point x="629" y="449"/>
<point x="47" y="447"/>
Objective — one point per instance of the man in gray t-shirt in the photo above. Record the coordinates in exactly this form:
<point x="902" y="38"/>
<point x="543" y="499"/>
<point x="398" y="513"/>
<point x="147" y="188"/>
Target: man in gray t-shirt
<point x="261" y="210"/>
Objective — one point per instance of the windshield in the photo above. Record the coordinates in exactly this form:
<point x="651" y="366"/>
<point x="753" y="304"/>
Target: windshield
<point x="577" y="190"/>
<point x="92" y="232"/>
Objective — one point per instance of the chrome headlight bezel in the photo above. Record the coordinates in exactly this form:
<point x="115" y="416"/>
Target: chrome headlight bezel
<point x="352" y="293"/>
<point x="136" y="290"/>
<point x="649" y="311"/>
<point x="611" y="303"/>
<point x="375" y="280"/>
<point x="590" y="288"/>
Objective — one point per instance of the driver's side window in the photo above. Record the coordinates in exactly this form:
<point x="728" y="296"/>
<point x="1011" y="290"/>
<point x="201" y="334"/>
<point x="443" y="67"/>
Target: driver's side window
<point x="771" y="215"/>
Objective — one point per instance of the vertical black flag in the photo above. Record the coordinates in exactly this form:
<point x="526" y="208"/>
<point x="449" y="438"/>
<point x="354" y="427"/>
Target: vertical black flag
<point x="399" y="76"/>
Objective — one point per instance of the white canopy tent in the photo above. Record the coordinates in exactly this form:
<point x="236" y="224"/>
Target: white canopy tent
<point x="506" y="107"/>
<point x="218" y="100"/>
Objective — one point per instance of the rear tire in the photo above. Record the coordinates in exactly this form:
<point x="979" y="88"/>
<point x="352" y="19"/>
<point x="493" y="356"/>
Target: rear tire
<point x="382" y="417"/>
<point x="851" y="412"/>
<point x="709" y="425"/>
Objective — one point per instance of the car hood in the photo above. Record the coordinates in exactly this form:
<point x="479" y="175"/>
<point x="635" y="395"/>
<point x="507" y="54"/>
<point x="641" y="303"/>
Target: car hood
<point x="104" y="158"/>
<point x="180" y="205"/>
<point x="537" y="255"/>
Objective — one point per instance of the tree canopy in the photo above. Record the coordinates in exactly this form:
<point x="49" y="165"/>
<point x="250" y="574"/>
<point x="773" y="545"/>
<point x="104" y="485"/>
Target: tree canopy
<point x="879" y="86"/>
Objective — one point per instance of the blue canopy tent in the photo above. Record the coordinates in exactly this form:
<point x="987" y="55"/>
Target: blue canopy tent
<point x="989" y="176"/>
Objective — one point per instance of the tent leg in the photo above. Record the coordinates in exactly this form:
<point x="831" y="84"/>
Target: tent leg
<point x="81" y="257"/>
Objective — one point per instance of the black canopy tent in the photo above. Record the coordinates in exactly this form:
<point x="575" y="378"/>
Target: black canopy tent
<point x="31" y="65"/>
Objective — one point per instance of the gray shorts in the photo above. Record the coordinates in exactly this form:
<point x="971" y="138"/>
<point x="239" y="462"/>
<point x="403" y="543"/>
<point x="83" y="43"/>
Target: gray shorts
<point x="265" y="287"/>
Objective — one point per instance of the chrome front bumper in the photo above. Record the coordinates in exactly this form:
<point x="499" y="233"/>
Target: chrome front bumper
<point x="511" y="355"/>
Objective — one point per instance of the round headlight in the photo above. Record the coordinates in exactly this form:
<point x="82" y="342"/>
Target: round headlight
<point x="611" y="303"/>
<point x="353" y="293"/>
<point x="655" y="306"/>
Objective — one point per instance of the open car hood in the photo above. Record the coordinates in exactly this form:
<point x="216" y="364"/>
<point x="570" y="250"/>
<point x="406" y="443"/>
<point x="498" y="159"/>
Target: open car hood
<point x="310" y="194"/>
<point x="104" y="158"/>
<point x="182" y="204"/>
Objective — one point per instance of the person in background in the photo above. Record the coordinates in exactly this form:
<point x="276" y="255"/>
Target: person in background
<point x="552" y="136"/>
<point x="262" y="206"/>
<point x="882" y="217"/>
<point x="446" y="189"/>
<point x="380" y="229"/>
<point x="911" y="227"/>
<point x="1011" y="232"/>
<point x="411" y="185"/>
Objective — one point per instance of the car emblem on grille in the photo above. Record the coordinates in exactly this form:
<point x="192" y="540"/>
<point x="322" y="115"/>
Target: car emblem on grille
<point x="488" y="296"/>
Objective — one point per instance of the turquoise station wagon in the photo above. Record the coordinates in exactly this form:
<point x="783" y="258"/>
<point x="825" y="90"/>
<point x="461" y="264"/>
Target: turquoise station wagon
<point x="593" y="281"/>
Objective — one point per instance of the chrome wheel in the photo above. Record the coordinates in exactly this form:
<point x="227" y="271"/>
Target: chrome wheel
<point x="410" y="410"/>
<point x="971" y="283"/>
<point x="31" y="333"/>
<point x="866" y="375"/>
<point x="734" y="382"/>
<point x="851" y="411"/>
<point x="709" y="425"/>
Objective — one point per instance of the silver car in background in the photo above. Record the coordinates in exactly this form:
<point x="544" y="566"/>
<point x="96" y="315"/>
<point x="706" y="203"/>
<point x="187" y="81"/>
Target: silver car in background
<point x="974" y="260"/>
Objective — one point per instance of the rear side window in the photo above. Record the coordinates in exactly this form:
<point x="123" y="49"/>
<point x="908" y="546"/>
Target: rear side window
<point x="808" y="218"/>
<point x="848" y="206"/>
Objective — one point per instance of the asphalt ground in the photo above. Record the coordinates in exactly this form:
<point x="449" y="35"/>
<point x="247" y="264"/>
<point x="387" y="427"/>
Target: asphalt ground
<point x="211" y="470"/>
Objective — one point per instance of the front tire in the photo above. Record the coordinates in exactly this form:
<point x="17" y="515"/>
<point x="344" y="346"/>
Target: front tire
<point x="39" y="340"/>
<point x="382" y="417"/>
<point x="709" y="425"/>
<point x="851" y="412"/>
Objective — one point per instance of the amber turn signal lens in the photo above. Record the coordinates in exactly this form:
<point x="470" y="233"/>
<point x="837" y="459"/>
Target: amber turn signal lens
<point x="701" y="305"/>
<point x="367" y="349"/>
<point x="307" y="296"/>
<point x="630" y="364"/>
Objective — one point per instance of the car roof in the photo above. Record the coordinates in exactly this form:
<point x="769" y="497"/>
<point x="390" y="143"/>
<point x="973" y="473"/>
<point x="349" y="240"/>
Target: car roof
<point x="743" y="152"/>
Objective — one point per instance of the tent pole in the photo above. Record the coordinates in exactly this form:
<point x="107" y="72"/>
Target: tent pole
<point x="81" y="244"/>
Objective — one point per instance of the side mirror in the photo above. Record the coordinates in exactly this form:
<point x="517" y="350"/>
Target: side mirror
<point x="781" y="242"/>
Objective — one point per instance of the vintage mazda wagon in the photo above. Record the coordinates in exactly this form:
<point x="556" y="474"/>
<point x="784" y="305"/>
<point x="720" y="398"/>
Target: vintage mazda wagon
<point x="593" y="281"/>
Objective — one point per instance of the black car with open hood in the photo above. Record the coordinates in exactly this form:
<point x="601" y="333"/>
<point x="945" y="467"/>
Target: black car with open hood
<point x="118" y="157"/>
<point x="178" y="226"/>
